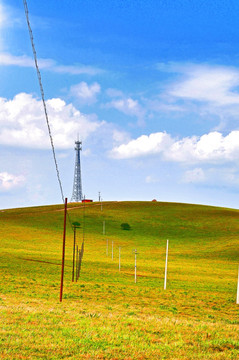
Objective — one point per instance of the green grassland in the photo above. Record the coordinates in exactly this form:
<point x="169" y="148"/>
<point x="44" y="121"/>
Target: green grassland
<point x="105" y="315"/>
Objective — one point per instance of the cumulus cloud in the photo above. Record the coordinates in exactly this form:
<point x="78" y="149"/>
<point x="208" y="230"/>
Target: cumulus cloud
<point x="143" y="145"/>
<point x="85" y="93"/>
<point x="22" y="122"/>
<point x="10" y="181"/>
<point x="7" y="59"/>
<point x="209" y="148"/>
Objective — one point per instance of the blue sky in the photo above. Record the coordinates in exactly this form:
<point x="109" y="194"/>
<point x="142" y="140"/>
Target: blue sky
<point x="152" y="88"/>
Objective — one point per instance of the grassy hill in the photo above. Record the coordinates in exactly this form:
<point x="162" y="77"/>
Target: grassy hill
<point x="105" y="315"/>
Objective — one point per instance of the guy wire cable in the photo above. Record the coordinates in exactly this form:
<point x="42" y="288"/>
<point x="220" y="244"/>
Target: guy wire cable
<point x="44" y="104"/>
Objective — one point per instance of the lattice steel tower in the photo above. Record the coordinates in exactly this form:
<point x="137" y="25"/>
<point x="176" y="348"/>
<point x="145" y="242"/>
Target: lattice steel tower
<point x="77" y="186"/>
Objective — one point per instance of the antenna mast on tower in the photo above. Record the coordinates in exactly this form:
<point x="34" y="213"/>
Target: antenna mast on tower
<point x="77" y="186"/>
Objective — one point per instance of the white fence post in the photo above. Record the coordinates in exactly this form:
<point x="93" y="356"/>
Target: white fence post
<point x="135" y="266"/>
<point x="166" y="267"/>
<point x="238" y="287"/>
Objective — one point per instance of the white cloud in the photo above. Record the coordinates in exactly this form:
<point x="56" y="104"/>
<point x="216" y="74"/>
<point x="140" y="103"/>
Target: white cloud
<point x="209" y="148"/>
<point x="144" y="145"/>
<point x="215" y="176"/>
<point x="12" y="17"/>
<point x="150" y="180"/>
<point x="159" y="106"/>
<point x="7" y="59"/>
<point x="3" y="22"/>
<point x="211" y="91"/>
<point x="206" y="83"/>
<point x="84" y="92"/>
<point x="127" y="106"/>
<point x="119" y="136"/>
<point x="226" y="175"/>
<point x="23" y="61"/>
<point x="86" y="152"/>
<point x="10" y="181"/>
<point x="76" y="69"/>
<point x="196" y="175"/>
<point x="2" y="16"/>
<point x="22" y="122"/>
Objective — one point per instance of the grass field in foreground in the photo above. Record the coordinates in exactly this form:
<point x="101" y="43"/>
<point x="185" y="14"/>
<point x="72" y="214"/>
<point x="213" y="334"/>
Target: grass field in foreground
<point x="105" y="315"/>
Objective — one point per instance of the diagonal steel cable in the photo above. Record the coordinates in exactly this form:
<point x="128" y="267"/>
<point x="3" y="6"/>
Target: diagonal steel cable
<point x="44" y="103"/>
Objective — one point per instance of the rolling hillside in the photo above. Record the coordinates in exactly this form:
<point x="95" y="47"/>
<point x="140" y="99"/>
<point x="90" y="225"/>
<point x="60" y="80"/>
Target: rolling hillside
<point x="105" y="315"/>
